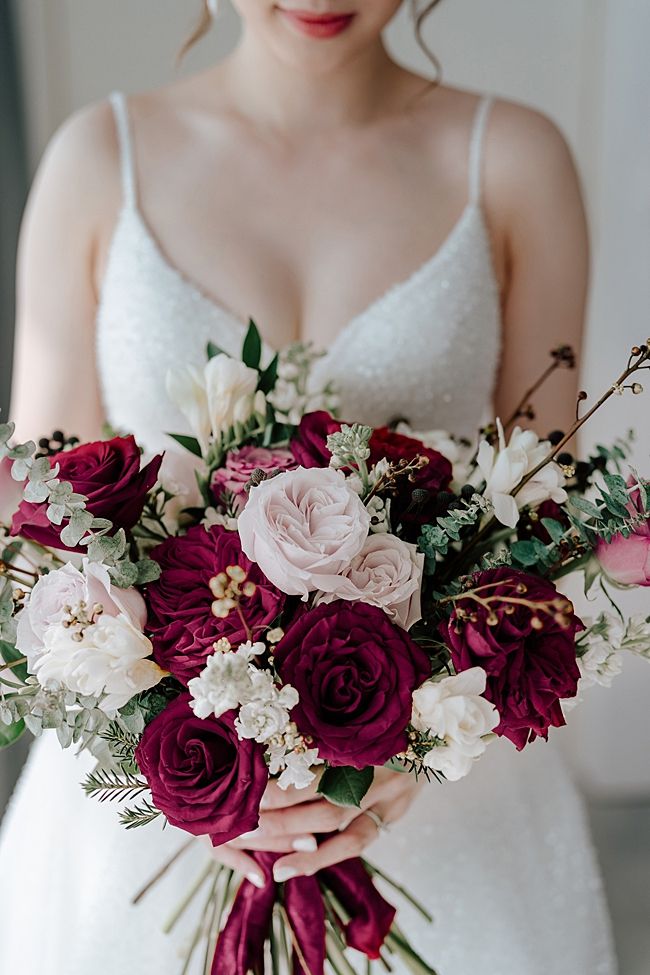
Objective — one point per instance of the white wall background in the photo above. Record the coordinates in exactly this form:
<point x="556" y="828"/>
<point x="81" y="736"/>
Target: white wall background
<point x="584" y="63"/>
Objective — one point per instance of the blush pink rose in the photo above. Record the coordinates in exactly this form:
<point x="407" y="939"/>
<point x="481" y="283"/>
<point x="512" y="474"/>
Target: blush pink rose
<point x="627" y="560"/>
<point x="303" y="528"/>
<point x="240" y="466"/>
<point x="387" y="573"/>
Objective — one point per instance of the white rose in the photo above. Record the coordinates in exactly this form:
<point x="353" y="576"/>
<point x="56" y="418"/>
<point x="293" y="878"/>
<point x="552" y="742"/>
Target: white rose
<point x="68" y="586"/>
<point x="303" y="528"/>
<point x="107" y="658"/>
<point x="505" y="468"/>
<point x="387" y="573"/>
<point x="454" y="711"/>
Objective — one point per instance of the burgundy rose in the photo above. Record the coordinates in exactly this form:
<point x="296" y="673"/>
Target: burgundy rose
<point x="309" y="445"/>
<point x="202" y="777"/>
<point x="239" y="467"/>
<point x="435" y="476"/>
<point x="108" y="473"/>
<point x="183" y="627"/>
<point x="355" y="673"/>
<point x="523" y="636"/>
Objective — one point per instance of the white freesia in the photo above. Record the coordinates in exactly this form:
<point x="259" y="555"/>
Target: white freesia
<point x="69" y="586"/>
<point x="454" y="711"/>
<point x="231" y="389"/>
<point x="504" y="468"/>
<point x="106" y="659"/>
<point x="215" y="398"/>
<point x="387" y="573"/>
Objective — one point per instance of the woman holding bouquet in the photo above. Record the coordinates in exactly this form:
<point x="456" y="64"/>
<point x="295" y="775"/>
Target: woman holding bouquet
<point x="301" y="182"/>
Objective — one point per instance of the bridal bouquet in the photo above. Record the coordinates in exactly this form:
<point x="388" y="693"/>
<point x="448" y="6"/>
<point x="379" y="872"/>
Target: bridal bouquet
<point x="292" y="597"/>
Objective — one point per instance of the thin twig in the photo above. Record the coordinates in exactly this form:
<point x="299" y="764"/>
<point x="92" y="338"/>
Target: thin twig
<point x="163" y="870"/>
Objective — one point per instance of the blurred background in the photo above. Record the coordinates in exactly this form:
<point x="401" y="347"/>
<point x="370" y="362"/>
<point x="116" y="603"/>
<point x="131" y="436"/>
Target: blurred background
<point x="585" y="64"/>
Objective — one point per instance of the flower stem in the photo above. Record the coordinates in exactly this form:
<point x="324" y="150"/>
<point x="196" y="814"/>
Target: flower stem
<point x="163" y="870"/>
<point x="188" y="898"/>
<point x="375" y="871"/>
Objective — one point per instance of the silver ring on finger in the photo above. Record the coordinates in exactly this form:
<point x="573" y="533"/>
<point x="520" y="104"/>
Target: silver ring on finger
<point x="377" y="820"/>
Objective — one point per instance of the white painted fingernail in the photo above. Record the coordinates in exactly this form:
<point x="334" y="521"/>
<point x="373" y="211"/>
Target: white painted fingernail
<point x="256" y="880"/>
<point x="280" y="874"/>
<point x="305" y="844"/>
<point x="249" y="835"/>
<point x="265" y="802"/>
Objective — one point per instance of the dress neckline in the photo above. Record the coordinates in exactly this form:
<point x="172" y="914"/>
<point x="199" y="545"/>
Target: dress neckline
<point x="472" y="209"/>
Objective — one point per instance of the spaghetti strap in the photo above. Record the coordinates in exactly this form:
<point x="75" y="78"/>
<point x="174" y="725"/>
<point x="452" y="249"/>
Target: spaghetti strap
<point x="476" y="147"/>
<point x="121" y="114"/>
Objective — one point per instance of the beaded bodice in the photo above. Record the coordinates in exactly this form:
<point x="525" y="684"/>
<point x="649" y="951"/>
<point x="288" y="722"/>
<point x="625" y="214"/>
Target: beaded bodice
<point x="425" y="351"/>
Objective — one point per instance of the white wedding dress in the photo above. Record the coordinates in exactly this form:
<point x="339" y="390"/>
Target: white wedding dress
<point x="502" y="859"/>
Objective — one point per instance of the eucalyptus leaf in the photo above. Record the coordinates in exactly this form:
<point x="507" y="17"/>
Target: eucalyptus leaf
<point x="80" y="522"/>
<point x="6" y="432"/>
<point x="587" y="508"/>
<point x="526" y="553"/>
<point x="148" y="571"/>
<point x="346" y="786"/>
<point x="554" y="528"/>
<point x="252" y="348"/>
<point x="124" y="574"/>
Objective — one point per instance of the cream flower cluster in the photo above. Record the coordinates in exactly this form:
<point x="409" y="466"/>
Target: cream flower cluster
<point x="80" y="632"/>
<point x="454" y="711"/>
<point x="233" y="680"/>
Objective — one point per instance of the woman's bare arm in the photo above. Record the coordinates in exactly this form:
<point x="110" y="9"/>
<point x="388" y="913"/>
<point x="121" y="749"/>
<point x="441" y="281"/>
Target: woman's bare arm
<point x="533" y="184"/>
<point x="74" y="193"/>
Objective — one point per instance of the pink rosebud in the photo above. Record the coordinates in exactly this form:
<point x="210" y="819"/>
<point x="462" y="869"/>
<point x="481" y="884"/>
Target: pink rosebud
<point x="239" y="466"/>
<point x="627" y="560"/>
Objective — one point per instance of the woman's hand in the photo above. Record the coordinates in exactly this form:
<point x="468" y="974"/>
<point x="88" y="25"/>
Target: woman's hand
<point x="290" y="819"/>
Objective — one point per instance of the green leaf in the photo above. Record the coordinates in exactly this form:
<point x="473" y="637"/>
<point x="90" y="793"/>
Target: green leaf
<point x="213" y="350"/>
<point x="9" y="733"/>
<point x="269" y="376"/>
<point x="124" y="574"/>
<point x="525" y="553"/>
<point x="148" y="571"/>
<point x="346" y="786"/>
<point x="190" y="443"/>
<point x="554" y="528"/>
<point x="9" y="653"/>
<point x="617" y="488"/>
<point x="587" y="508"/>
<point x="252" y="349"/>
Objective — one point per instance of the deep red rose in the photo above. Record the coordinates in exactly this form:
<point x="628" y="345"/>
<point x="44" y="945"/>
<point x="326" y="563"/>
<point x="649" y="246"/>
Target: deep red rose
<point x="309" y="444"/>
<point x="202" y="777"/>
<point x="432" y="478"/>
<point x="182" y="624"/>
<point x="355" y="673"/>
<point x="108" y="473"/>
<point x="530" y="666"/>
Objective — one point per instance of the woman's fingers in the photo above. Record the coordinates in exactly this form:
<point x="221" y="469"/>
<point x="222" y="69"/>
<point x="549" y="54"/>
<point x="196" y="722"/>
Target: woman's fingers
<point x="349" y="843"/>
<point x="237" y="860"/>
<point x="319" y="816"/>
<point x="276" y="798"/>
<point x="286" y="843"/>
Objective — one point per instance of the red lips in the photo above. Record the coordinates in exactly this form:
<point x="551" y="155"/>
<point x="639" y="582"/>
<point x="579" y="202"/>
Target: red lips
<point x="317" y="25"/>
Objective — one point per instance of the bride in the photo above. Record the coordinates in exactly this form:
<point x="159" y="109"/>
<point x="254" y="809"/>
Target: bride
<point x="301" y="182"/>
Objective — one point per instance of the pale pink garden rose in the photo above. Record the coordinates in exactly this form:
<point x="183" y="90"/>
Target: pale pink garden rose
<point x="627" y="560"/>
<point x="240" y="465"/>
<point x="68" y="586"/>
<point x="304" y="528"/>
<point x="11" y="492"/>
<point x="387" y="573"/>
<point x="177" y="475"/>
